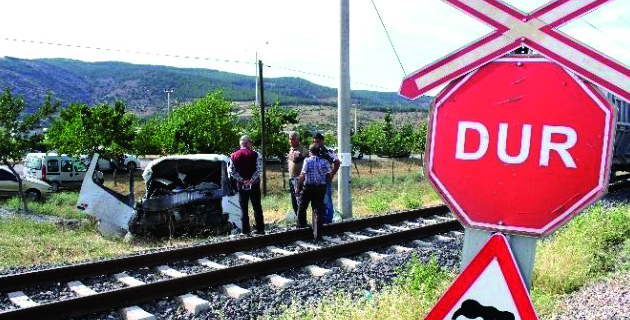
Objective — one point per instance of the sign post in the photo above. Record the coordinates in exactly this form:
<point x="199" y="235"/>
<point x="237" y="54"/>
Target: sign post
<point x="525" y="246"/>
<point x="490" y="287"/>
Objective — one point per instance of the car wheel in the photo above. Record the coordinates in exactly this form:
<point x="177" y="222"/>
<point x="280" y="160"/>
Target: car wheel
<point x="131" y="166"/>
<point x="55" y="186"/>
<point x="33" y="194"/>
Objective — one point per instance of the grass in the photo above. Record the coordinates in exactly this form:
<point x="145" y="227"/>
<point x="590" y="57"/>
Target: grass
<point x="407" y="191"/>
<point x="24" y="242"/>
<point x="589" y="247"/>
<point x="62" y="205"/>
<point x="372" y="193"/>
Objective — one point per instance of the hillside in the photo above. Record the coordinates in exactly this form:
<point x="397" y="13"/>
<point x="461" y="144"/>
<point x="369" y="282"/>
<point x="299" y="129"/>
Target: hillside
<point x="141" y="87"/>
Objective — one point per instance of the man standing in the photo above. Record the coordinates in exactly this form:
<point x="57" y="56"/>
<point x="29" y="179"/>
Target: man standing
<point x="297" y="154"/>
<point x="330" y="156"/>
<point x="312" y="186"/>
<point x="245" y="167"/>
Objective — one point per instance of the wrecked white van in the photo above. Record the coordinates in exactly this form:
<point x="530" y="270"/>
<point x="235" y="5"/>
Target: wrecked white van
<point x="183" y="192"/>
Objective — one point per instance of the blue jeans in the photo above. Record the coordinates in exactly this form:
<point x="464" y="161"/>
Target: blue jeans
<point x="327" y="216"/>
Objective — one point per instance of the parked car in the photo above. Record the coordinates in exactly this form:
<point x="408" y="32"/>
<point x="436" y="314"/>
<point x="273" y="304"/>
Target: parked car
<point x="129" y="162"/>
<point x="33" y="188"/>
<point x="60" y="171"/>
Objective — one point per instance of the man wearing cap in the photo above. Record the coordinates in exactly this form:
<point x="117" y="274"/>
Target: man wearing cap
<point x="312" y="186"/>
<point x="330" y="156"/>
<point x="245" y="167"/>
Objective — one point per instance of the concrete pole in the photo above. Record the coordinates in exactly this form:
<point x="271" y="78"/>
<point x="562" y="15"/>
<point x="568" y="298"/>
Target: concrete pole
<point x="257" y="83"/>
<point x="168" y="100"/>
<point x="344" y="202"/>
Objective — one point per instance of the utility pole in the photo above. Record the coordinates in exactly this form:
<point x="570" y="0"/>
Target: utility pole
<point x="344" y="199"/>
<point x="355" y="119"/>
<point x="262" y="126"/>
<point x="168" y="92"/>
<point x="257" y="83"/>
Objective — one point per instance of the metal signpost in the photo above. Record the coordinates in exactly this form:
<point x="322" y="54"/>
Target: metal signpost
<point x="489" y="288"/>
<point x="517" y="144"/>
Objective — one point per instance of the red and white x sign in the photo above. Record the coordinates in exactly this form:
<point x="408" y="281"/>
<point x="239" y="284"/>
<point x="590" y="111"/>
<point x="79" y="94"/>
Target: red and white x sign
<point x="538" y="31"/>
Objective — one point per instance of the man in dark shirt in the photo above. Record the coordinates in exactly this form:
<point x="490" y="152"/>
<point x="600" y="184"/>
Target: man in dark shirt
<point x="312" y="185"/>
<point x="296" y="157"/>
<point x="245" y="168"/>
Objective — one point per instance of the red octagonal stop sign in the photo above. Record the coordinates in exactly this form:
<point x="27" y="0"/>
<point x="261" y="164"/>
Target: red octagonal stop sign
<point x="520" y="146"/>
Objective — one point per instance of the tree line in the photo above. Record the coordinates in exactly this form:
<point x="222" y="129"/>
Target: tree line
<point x="207" y="125"/>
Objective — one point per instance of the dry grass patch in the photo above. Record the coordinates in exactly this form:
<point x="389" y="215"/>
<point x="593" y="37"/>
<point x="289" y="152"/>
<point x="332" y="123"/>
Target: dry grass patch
<point x="24" y="242"/>
<point x="372" y="192"/>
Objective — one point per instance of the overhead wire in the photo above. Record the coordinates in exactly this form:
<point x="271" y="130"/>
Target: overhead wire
<point x="389" y="38"/>
<point x="180" y="57"/>
<point x="605" y="34"/>
<point x="622" y="19"/>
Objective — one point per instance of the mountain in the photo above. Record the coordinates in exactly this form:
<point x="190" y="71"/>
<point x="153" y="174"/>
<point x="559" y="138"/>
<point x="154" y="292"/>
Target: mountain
<point x="141" y="87"/>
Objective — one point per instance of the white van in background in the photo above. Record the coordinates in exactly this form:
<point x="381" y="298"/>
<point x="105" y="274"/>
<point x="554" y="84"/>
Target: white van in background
<point x="60" y="171"/>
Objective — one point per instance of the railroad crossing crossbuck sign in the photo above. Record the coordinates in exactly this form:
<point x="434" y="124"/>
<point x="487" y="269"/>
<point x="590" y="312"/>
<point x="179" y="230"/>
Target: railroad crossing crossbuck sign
<point x="538" y="31"/>
<point x="490" y="287"/>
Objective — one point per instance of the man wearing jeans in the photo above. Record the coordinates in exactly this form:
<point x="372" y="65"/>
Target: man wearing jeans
<point x="245" y="167"/>
<point x="331" y="157"/>
<point x="312" y="186"/>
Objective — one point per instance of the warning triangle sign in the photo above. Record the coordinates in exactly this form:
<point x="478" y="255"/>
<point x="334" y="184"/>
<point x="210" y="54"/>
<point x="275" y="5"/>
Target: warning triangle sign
<point x="490" y="287"/>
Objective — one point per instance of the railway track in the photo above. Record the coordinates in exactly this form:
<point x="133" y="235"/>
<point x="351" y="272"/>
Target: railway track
<point x="286" y="250"/>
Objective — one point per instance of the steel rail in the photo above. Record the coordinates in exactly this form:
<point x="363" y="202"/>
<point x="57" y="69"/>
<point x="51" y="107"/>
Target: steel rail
<point x="91" y="269"/>
<point x="165" y="288"/>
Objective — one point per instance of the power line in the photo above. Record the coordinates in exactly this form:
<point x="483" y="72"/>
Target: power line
<point x="125" y="51"/>
<point x="324" y="76"/>
<point x="179" y="57"/>
<point x="605" y="34"/>
<point x="389" y="38"/>
<point x="622" y="19"/>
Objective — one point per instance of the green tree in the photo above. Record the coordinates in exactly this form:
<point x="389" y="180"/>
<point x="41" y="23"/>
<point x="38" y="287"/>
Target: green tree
<point x="81" y="129"/>
<point x="276" y="138"/>
<point x="147" y="140"/>
<point x="419" y="141"/>
<point x="208" y="125"/>
<point x="306" y="135"/>
<point x="19" y="131"/>
<point x="386" y="140"/>
<point x="392" y="142"/>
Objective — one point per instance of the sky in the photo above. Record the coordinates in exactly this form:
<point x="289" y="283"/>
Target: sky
<point x="294" y="38"/>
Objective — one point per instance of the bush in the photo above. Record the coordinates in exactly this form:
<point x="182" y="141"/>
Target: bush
<point x="584" y="249"/>
<point x="424" y="278"/>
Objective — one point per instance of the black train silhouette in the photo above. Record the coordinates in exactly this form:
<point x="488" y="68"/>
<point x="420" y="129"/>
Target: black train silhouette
<point x="472" y="309"/>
